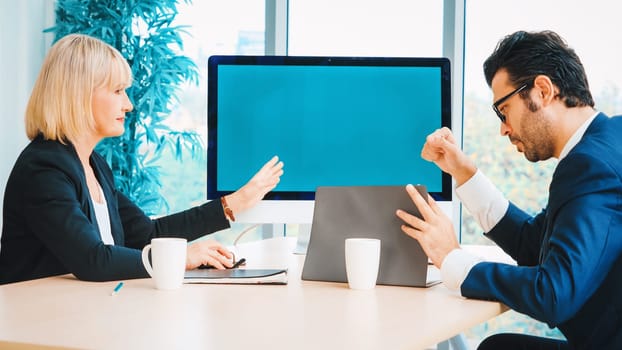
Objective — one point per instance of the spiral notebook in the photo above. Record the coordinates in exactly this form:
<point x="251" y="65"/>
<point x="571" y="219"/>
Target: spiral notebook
<point x="237" y="276"/>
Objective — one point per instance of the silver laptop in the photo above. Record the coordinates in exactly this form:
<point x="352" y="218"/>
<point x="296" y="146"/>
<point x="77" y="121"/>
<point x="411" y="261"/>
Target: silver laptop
<point x="368" y="212"/>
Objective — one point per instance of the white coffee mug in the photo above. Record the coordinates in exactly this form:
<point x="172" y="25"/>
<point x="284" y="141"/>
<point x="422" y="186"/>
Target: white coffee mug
<point x="168" y="257"/>
<point x="362" y="262"/>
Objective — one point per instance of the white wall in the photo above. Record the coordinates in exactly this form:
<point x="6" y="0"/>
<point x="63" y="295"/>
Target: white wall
<point x="22" y="48"/>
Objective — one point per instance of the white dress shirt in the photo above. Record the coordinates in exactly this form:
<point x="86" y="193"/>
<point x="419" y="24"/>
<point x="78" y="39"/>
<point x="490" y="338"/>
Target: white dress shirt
<point x="103" y="219"/>
<point x="488" y="205"/>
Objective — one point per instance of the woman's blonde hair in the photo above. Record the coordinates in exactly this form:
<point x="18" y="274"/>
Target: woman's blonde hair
<point x="60" y="104"/>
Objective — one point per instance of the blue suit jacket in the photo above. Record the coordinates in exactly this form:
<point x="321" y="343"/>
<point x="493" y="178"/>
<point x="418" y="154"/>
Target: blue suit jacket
<point x="569" y="255"/>
<point x="50" y="226"/>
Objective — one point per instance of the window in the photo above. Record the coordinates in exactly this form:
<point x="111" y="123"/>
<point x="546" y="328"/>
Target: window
<point x="365" y="28"/>
<point x="397" y="28"/>
<point x="214" y="27"/>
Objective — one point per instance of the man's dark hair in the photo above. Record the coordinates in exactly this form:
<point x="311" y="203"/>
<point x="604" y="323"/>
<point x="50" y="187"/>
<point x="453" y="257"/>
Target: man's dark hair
<point x="526" y="55"/>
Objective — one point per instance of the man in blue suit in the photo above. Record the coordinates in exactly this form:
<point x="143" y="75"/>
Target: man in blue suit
<point x="569" y="265"/>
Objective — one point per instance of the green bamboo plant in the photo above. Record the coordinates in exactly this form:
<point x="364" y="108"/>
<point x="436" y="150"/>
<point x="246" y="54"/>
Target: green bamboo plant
<point x="142" y="31"/>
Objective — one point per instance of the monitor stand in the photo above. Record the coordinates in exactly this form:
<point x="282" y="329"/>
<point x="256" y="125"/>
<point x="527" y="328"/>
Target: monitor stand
<point x="304" y="233"/>
<point x="278" y="230"/>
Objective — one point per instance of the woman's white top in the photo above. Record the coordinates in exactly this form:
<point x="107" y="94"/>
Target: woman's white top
<point x="103" y="219"/>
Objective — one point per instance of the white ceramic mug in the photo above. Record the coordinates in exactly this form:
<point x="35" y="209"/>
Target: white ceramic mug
<point x="362" y="262"/>
<point x="168" y="257"/>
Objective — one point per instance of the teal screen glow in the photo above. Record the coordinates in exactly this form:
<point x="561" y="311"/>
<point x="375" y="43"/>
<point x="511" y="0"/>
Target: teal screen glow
<point x="330" y="125"/>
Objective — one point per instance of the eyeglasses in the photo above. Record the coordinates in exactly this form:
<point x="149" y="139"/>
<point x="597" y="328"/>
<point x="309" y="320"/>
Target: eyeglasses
<point x="495" y="106"/>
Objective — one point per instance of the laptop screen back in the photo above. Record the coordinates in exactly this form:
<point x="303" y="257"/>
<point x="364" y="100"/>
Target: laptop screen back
<point x="364" y="212"/>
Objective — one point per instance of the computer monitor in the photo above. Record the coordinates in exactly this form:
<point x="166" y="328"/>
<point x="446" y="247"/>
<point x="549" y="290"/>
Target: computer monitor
<point x="333" y="121"/>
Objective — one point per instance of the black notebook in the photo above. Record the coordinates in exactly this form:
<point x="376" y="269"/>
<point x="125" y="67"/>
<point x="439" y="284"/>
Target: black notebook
<point x="237" y="276"/>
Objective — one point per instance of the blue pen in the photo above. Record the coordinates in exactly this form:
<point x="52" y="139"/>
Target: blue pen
<point x="116" y="289"/>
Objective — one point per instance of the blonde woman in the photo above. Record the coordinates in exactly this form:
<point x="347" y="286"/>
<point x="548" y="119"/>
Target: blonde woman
<point x="62" y="213"/>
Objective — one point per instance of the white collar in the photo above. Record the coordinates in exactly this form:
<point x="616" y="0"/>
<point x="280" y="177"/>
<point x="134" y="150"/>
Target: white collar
<point x="576" y="137"/>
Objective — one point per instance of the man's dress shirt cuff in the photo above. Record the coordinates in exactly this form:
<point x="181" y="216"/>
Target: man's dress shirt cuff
<point x="483" y="200"/>
<point x="456" y="267"/>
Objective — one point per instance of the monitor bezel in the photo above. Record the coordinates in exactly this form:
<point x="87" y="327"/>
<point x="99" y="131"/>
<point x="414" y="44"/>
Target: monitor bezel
<point x="212" y="111"/>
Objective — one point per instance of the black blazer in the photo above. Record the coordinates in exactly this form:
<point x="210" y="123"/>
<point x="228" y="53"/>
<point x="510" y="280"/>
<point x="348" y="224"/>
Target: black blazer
<point x="50" y="226"/>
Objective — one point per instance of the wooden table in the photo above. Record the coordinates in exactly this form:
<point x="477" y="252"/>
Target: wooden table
<point x="63" y="312"/>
